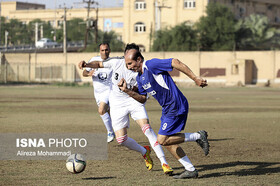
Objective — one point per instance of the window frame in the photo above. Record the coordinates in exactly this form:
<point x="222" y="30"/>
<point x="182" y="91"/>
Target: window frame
<point x="191" y="4"/>
<point x="139" y="27"/>
<point x="140" y="5"/>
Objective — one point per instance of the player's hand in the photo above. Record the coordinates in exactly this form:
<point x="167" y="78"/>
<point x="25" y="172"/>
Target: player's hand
<point x="200" y="82"/>
<point x="82" y="64"/>
<point x="91" y="72"/>
<point x="122" y="85"/>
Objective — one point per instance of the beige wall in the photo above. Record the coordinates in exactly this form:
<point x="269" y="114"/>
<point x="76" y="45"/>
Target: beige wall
<point x="7" y="8"/>
<point x="264" y="63"/>
<point x="267" y="64"/>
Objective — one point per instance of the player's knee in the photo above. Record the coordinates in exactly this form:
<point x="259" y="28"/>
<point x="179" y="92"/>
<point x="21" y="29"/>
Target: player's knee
<point x="162" y="141"/>
<point x="101" y="111"/>
<point x="121" y="139"/>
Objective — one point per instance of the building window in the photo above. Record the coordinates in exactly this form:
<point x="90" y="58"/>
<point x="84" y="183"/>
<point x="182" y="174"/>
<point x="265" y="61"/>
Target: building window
<point x="140" y="27"/>
<point x="189" y="4"/>
<point x="140" y="5"/>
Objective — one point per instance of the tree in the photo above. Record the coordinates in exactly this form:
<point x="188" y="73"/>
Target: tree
<point x="162" y="40"/>
<point x="20" y="33"/>
<point x="75" y="30"/>
<point x="216" y="30"/>
<point x="111" y="37"/>
<point x="2" y="31"/>
<point x="255" y="33"/>
<point x="16" y="31"/>
<point x="47" y="30"/>
<point x="178" y="38"/>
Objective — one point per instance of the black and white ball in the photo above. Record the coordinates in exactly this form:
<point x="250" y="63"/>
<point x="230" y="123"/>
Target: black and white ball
<point x="76" y="163"/>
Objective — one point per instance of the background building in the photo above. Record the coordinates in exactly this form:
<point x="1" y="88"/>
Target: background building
<point x="137" y="20"/>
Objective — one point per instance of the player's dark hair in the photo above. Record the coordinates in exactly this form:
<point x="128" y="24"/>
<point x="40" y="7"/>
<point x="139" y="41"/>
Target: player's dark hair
<point x="104" y="44"/>
<point x="136" y="48"/>
<point x="131" y="46"/>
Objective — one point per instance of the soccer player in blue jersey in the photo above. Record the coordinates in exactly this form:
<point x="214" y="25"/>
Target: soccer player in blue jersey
<point x="153" y="78"/>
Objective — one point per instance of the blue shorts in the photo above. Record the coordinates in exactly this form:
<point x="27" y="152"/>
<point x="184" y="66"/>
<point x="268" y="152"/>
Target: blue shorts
<point x="172" y="124"/>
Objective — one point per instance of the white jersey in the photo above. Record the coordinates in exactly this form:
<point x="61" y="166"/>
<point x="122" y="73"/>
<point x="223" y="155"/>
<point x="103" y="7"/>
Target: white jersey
<point x="120" y="71"/>
<point x="101" y="78"/>
<point x="121" y="104"/>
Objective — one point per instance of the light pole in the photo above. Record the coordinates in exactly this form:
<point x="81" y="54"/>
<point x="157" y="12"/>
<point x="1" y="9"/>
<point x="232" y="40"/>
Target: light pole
<point x="6" y="38"/>
<point x="36" y="31"/>
<point x="65" y="41"/>
<point x="89" y="3"/>
<point x="158" y="14"/>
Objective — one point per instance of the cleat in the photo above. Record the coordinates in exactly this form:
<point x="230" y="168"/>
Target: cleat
<point x="203" y="142"/>
<point x="187" y="174"/>
<point x="110" y="137"/>
<point x="147" y="158"/>
<point x="167" y="170"/>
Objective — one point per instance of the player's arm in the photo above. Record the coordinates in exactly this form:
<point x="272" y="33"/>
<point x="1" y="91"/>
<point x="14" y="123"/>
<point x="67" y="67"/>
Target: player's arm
<point x="177" y="64"/>
<point x="132" y="93"/>
<point x="93" y="64"/>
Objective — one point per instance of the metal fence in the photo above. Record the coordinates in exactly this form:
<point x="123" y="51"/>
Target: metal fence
<point x="22" y="72"/>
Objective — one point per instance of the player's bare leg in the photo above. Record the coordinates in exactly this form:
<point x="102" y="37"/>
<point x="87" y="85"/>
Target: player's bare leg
<point x="181" y="156"/>
<point x="103" y="111"/>
<point x="200" y="137"/>
<point x="123" y="139"/>
<point x="171" y="143"/>
<point x="150" y="134"/>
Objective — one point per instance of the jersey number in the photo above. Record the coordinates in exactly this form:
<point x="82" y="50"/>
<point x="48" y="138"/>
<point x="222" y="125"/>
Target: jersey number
<point x="116" y="76"/>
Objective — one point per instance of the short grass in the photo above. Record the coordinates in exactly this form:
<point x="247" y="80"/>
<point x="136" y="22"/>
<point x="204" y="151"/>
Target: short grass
<point x="243" y="126"/>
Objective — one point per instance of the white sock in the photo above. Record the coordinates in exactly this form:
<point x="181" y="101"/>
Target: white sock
<point x="107" y="121"/>
<point x="192" y="136"/>
<point x="186" y="163"/>
<point x="131" y="144"/>
<point x="148" y="131"/>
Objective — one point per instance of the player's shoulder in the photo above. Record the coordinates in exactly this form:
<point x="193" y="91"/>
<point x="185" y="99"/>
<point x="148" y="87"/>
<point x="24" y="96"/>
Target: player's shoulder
<point x="95" y="58"/>
<point x="156" y="62"/>
<point x="114" y="59"/>
<point x="151" y="63"/>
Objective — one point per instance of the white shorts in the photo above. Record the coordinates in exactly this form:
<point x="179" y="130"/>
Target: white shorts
<point x="120" y="115"/>
<point x="102" y="97"/>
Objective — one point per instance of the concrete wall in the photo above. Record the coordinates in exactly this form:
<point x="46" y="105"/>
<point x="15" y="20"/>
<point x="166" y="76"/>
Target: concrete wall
<point x="224" y="68"/>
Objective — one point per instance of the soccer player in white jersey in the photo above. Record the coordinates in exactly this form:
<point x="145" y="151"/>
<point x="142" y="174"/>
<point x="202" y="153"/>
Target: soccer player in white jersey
<point x="122" y="105"/>
<point x="101" y="81"/>
<point x="153" y="78"/>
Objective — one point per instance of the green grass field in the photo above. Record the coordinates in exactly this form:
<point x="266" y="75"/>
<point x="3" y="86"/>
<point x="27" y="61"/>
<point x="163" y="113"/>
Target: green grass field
<point x="243" y="126"/>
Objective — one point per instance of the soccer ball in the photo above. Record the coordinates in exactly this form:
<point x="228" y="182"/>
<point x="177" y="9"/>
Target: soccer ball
<point x="76" y="163"/>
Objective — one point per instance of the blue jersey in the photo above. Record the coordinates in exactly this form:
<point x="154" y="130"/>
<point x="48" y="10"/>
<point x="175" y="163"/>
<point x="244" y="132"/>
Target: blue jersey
<point x="156" y="81"/>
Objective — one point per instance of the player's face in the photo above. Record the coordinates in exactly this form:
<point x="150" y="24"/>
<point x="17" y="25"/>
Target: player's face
<point x="104" y="51"/>
<point x="132" y="64"/>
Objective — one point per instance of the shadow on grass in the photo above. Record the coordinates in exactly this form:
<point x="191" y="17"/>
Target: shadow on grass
<point x="256" y="168"/>
<point x="98" y="178"/>
<point x="224" y="139"/>
<point x="253" y="168"/>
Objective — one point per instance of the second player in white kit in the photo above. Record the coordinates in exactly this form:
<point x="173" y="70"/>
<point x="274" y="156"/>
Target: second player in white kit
<point x="101" y="81"/>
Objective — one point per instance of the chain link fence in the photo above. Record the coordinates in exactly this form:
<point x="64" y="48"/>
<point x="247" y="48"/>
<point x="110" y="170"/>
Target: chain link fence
<point x="27" y="72"/>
